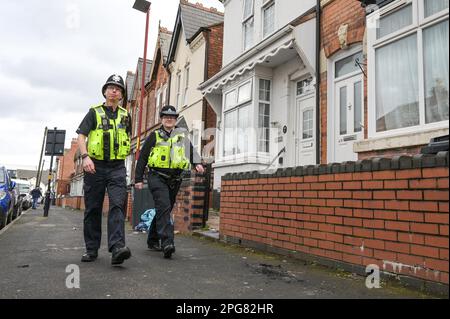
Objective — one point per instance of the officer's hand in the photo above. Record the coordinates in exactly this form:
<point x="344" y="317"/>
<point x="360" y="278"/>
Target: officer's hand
<point x="88" y="165"/>
<point x="139" y="185"/>
<point x="199" y="168"/>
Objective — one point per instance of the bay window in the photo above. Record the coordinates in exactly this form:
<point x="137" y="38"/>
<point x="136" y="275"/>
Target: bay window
<point x="408" y="66"/>
<point x="237" y="119"/>
<point x="264" y="115"/>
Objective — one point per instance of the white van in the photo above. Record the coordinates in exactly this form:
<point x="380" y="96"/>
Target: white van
<point x="24" y="188"/>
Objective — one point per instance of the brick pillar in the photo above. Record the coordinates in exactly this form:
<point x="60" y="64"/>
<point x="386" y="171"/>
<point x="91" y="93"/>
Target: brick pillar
<point x="129" y="207"/>
<point x="188" y="209"/>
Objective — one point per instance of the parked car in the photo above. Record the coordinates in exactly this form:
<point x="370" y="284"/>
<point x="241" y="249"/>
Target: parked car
<point x="24" y="188"/>
<point x="17" y="208"/>
<point x="7" y="197"/>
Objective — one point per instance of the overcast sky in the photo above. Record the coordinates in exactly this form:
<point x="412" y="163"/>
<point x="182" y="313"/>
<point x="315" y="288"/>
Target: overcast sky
<point x="55" y="55"/>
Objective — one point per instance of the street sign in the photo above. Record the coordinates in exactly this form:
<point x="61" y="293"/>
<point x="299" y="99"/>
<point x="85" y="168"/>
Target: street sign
<point x="55" y="142"/>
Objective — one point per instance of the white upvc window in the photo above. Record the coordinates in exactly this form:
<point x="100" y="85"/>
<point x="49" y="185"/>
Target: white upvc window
<point x="264" y="115"/>
<point x="268" y="16"/>
<point x="408" y="61"/>
<point x="186" y="86"/>
<point x="178" y="89"/>
<point x="237" y="119"/>
<point x="248" y="9"/>
<point x="195" y="137"/>
<point x="248" y="24"/>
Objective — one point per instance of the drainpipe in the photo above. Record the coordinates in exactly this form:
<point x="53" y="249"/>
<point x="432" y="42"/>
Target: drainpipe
<point x="206" y="35"/>
<point x="207" y="175"/>
<point x="318" y="82"/>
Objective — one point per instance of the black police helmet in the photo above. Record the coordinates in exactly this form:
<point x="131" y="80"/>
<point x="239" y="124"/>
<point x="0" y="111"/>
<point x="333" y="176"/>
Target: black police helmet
<point x="168" y="110"/>
<point x="114" y="80"/>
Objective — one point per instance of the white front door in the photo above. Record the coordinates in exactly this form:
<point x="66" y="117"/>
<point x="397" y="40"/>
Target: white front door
<point x="348" y="117"/>
<point x="305" y="150"/>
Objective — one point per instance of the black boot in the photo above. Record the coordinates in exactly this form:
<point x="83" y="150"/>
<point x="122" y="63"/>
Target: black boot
<point x="89" y="256"/>
<point x="154" y="247"/>
<point x="119" y="255"/>
<point x="168" y="251"/>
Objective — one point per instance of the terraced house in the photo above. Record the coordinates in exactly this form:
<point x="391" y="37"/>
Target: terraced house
<point x="340" y="96"/>
<point x="265" y="96"/>
<point x="373" y="82"/>
<point x="195" y="55"/>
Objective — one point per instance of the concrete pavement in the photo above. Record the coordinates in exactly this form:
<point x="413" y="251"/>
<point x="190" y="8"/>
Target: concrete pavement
<point x="35" y="252"/>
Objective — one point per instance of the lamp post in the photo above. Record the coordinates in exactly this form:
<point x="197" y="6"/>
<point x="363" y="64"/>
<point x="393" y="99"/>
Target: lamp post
<point x="143" y="6"/>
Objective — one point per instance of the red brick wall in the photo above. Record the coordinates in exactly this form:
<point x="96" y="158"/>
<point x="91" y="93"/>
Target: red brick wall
<point x="77" y="202"/>
<point x="66" y="168"/>
<point x="145" y="110"/>
<point x="129" y="208"/>
<point x="150" y="108"/>
<point x="332" y="18"/>
<point x="188" y="210"/>
<point x="215" y="50"/>
<point x="323" y="118"/>
<point x="395" y="218"/>
<point x="215" y="53"/>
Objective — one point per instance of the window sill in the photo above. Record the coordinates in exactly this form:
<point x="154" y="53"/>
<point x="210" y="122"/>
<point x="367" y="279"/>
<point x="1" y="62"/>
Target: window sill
<point x="243" y="159"/>
<point x="397" y="141"/>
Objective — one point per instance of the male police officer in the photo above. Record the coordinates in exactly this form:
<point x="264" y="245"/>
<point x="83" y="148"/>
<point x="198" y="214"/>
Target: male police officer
<point x="107" y="127"/>
<point x="167" y="152"/>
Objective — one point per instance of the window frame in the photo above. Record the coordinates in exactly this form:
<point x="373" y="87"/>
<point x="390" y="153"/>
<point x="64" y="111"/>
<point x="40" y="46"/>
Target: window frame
<point x="236" y="89"/>
<point x="246" y="18"/>
<point x="419" y="24"/>
<point x="432" y="17"/>
<point x="235" y="108"/>
<point x="248" y="46"/>
<point x="265" y="102"/>
<point x="178" y="75"/>
<point x="246" y="21"/>
<point x="266" y="5"/>
<point x="186" y="85"/>
<point x="311" y="120"/>
<point x="195" y="139"/>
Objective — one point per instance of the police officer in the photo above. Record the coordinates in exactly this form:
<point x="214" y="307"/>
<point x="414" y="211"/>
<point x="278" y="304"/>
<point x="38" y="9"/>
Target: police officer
<point x="107" y="128"/>
<point x="168" y="153"/>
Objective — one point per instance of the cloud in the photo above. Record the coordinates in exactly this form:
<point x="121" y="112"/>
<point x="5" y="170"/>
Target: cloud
<point x="55" y="56"/>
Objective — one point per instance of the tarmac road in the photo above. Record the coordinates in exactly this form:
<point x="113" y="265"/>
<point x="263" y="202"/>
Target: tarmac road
<point x="35" y="252"/>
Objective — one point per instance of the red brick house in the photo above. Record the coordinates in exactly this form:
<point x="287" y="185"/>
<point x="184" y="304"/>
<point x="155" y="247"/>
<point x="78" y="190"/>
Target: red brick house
<point x="195" y="55"/>
<point x="384" y="77"/>
<point x="380" y="93"/>
<point x="66" y="169"/>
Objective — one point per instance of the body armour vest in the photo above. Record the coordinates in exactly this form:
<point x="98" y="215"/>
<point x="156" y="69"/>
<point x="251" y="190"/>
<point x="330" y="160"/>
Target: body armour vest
<point x="169" y="152"/>
<point x="110" y="140"/>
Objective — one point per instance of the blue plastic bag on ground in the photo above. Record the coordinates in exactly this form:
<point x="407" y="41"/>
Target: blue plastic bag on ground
<point x="146" y="220"/>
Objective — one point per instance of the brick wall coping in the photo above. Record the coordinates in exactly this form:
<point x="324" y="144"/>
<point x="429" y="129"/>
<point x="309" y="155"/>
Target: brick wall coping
<point x="441" y="159"/>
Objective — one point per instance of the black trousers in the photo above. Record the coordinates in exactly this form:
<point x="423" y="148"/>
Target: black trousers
<point x="113" y="179"/>
<point x="164" y="195"/>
